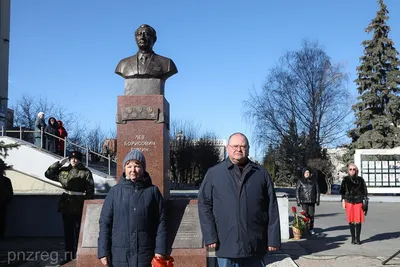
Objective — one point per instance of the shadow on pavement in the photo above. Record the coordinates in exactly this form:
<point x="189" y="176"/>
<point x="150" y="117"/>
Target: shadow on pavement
<point x="335" y="228"/>
<point x="312" y="244"/>
<point x="319" y="242"/>
<point x="326" y="215"/>
<point x="383" y="236"/>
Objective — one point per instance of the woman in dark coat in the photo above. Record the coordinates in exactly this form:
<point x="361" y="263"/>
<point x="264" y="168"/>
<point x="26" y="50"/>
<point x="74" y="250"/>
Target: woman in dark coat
<point x="52" y="140"/>
<point x="354" y="191"/>
<point x="132" y="221"/>
<point x="307" y="194"/>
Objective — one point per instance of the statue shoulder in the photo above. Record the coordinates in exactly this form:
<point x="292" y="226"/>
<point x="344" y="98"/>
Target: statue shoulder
<point x="126" y="60"/>
<point x="166" y="62"/>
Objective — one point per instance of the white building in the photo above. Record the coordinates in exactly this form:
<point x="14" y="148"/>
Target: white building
<point x="4" y="57"/>
<point x="380" y="169"/>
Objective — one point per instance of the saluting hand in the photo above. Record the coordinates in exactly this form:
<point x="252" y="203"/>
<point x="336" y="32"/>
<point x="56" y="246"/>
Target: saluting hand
<point x="63" y="161"/>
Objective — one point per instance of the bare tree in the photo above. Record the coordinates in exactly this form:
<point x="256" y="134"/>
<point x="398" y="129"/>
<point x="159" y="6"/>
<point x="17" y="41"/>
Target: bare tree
<point x="304" y="86"/>
<point x="27" y="108"/>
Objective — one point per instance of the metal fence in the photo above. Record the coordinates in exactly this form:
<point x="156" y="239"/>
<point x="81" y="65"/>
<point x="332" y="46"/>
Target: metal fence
<point x="87" y="153"/>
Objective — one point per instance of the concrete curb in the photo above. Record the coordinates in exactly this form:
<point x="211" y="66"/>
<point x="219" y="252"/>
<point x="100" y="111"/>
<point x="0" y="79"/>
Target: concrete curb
<point x="376" y="199"/>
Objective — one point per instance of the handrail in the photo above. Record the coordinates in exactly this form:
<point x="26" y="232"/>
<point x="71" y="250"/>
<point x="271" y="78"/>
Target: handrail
<point x="42" y="133"/>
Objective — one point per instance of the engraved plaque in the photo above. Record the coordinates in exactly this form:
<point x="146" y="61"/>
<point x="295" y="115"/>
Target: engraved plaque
<point x="91" y="226"/>
<point x="189" y="232"/>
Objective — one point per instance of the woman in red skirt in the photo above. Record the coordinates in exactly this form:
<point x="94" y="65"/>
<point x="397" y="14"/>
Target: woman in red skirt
<point x="354" y="191"/>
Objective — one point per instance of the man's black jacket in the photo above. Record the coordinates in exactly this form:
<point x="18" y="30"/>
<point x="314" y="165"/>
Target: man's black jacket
<point x="241" y="216"/>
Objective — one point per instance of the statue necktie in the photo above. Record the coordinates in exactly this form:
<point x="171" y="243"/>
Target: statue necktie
<point x="144" y="58"/>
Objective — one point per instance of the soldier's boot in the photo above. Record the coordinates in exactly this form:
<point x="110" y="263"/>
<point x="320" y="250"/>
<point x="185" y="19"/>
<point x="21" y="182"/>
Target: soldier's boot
<point x="358" y="233"/>
<point x="352" y="232"/>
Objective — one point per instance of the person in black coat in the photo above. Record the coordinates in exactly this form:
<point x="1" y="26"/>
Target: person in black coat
<point x="52" y="138"/>
<point x="307" y="195"/>
<point x="354" y="192"/>
<point x="132" y="220"/>
<point x="238" y="208"/>
<point x="6" y="195"/>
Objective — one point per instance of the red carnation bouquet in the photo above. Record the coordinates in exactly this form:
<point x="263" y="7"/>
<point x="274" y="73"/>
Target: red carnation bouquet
<point x="168" y="261"/>
<point x="300" y="220"/>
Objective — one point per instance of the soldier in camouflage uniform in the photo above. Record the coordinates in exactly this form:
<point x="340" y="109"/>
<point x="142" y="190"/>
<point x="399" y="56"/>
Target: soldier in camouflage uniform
<point x="78" y="183"/>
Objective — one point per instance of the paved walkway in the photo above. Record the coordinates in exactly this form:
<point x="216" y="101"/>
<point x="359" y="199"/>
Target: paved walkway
<point x="329" y="247"/>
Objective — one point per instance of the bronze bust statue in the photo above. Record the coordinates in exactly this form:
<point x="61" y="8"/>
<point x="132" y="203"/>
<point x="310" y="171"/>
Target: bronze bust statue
<point x="145" y="63"/>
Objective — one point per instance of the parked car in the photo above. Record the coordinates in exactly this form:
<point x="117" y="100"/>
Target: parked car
<point x="335" y="189"/>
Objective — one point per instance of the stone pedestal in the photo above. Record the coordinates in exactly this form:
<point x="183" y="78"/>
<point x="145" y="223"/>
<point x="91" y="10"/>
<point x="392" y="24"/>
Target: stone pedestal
<point x="184" y="234"/>
<point x="149" y="86"/>
<point x="87" y="245"/>
<point x="143" y="123"/>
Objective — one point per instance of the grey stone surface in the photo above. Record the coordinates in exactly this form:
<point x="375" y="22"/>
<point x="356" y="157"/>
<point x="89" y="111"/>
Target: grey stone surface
<point x="331" y="245"/>
<point x="189" y="232"/>
<point x="279" y="260"/>
<point x="283" y="204"/>
<point x="143" y="86"/>
<point x="91" y="226"/>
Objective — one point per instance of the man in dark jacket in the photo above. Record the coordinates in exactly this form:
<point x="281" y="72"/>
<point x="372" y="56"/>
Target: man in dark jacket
<point x="6" y="194"/>
<point x="238" y="208"/>
<point x="78" y="183"/>
<point x="307" y="194"/>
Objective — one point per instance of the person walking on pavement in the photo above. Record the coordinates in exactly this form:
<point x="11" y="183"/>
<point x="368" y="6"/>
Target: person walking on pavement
<point x="307" y="195"/>
<point x="78" y="183"/>
<point x="238" y="208"/>
<point x="354" y="192"/>
<point x="132" y="222"/>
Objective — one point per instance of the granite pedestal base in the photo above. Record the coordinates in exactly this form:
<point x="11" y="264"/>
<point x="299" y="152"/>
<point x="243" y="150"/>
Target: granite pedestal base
<point x="143" y="123"/>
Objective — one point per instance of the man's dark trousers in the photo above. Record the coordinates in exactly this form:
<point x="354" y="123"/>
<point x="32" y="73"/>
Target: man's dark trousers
<point x="72" y="224"/>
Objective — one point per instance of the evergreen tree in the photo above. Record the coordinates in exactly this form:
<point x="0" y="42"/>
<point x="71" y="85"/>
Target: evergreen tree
<point x="289" y="156"/>
<point x="269" y="162"/>
<point x="3" y="154"/>
<point x="377" y="111"/>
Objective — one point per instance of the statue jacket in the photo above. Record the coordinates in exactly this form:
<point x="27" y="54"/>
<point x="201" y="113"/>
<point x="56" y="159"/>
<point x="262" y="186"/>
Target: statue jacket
<point x="155" y="67"/>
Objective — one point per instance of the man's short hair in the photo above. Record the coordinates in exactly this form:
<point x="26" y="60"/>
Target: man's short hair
<point x="238" y="133"/>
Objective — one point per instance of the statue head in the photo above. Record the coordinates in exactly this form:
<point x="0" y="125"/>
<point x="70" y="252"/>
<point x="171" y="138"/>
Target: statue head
<point x="145" y="37"/>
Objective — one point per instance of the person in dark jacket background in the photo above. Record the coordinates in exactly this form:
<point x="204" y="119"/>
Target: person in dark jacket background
<point x="307" y="195"/>
<point x="52" y="140"/>
<point x="62" y="133"/>
<point x="40" y="125"/>
<point x="6" y="195"/>
<point x="354" y="191"/>
<point x="132" y="220"/>
<point x="238" y="208"/>
<point x="78" y="183"/>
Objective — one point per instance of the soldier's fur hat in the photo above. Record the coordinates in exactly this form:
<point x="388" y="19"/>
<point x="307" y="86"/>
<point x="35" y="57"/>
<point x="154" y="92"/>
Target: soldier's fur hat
<point x="76" y="154"/>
